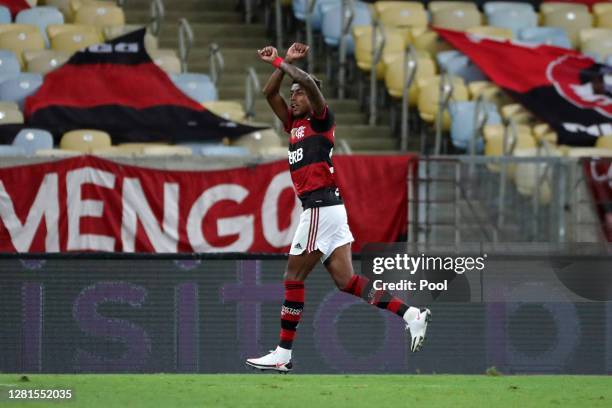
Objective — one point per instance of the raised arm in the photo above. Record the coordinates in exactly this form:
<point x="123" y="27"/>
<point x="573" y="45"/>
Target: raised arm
<point x="272" y="88"/>
<point x="316" y="98"/>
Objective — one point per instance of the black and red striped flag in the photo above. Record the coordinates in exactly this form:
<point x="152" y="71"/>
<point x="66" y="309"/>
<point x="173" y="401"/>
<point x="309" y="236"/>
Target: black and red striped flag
<point x="116" y="87"/>
<point x="569" y="91"/>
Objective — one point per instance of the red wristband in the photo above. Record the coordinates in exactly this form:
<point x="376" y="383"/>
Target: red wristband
<point x="277" y="62"/>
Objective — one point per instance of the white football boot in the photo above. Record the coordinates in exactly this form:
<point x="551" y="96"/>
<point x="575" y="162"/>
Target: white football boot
<point x="416" y="321"/>
<point x="278" y="360"/>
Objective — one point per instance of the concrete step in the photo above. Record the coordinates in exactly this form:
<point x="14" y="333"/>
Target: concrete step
<point x="184" y="5"/>
<point x="337" y="105"/>
<point x="254" y="43"/>
<point x="216" y="31"/>
<point x="341" y="118"/>
<point x="143" y="16"/>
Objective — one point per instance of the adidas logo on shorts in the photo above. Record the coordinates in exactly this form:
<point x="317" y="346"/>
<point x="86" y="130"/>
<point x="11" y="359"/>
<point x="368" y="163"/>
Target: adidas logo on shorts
<point x="298" y="246"/>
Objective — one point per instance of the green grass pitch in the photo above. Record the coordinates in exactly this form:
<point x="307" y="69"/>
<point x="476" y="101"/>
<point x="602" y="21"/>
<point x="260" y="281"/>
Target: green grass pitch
<point x="318" y="391"/>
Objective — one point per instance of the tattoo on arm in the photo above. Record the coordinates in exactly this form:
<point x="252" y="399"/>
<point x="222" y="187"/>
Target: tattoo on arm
<point x="308" y="84"/>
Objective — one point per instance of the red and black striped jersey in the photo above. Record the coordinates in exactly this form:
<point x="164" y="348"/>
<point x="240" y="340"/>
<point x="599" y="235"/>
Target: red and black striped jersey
<point x="311" y="143"/>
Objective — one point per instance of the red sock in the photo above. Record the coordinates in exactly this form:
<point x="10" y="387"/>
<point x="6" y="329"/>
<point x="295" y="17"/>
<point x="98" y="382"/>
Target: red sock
<point x="291" y="312"/>
<point x="364" y="288"/>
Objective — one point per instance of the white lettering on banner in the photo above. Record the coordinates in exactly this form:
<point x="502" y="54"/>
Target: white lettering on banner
<point x="45" y="204"/>
<point x="593" y="130"/>
<point x="109" y="48"/>
<point x="78" y="208"/>
<point x="269" y="211"/>
<point x="243" y="225"/>
<point x="136" y="207"/>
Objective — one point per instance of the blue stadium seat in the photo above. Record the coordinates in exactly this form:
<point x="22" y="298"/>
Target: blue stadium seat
<point x="209" y="149"/>
<point x="545" y="35"/>
<point x="198" y="87"/>
<point x="41" y="17"/>
<point x="9" y="150"/>
<point x="299" y="11"/>
<point x="462" y="125"/>
<point x="495" y="6"/>
<point x="20" y="87"/>
<point x="32" y="140"/>
<point x="331" y="23"/>
<point x="458" y="64"/>
<point x="515" y="20"/>
<point x="5" y="15"/>
<point x="9" y="65"/>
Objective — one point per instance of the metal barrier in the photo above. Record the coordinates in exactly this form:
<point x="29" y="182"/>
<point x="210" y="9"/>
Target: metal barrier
<point x="251" y="88"/>
<point x="158" y="13"/>
<point x="216" y="63"/>
<point x="278" y="15"/>
<point x="500" y="199"/>
<point x="410" y="68"/>
<point x="185" y="39"/>
<point x="377" y="51"/>
<point x="446" y="92"/>
<point x="348" y="13"/>
<point x="309" y="35"/>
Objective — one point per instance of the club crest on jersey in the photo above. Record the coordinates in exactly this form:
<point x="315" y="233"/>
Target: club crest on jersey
<point x="298" y="133"/>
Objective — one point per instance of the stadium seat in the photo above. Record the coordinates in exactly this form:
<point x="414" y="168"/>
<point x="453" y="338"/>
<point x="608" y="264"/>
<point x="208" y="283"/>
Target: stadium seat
<point x="578" y="152"/>
<point x="300" y="10"/>
<point x="381" y="7"/>
<point x="494" y="142"/>
<point x="529" y="175"/>
<point x="57" y="153"/>
<point x="259" y="142"/>
<point x="458" y="64"/>
<point x="571" y="21"/>
<point x="489" y="92"/>
<point x="64" y="7"/>
<point x="20" y="87"/>
<point x="72" y="38"/>
<point x="331" y="27"/>
<point x="430" y="42"/>
<point x="99" y="15"/>
<point x="600" y="47"/>
<point x="44" y="61"/>
<point x="515" y="20"/>
<point x="41" y="17"/>
<point x="227" y="109"/>
<point x="10" y="116"/>
<point x="20" y="37"/>
<point x="133" y="148"/>
<point x="604" y="142"/>
<point x="210" y="149"/>
<point x="554" y="6"/>
<point x="112" y="32"/>
<point x="85" y="140"/>
<point x="32" y="140"/>
<point x="5" y="15"/>
<point x="591" y="33"/>
<point x="166" y="60"/>
<point x="403" y="16"/>
<point x="463" y="116"/>
<point x="454" y="18"/>
<point x="394" y="43"/>
<point x="197" y="86"/>
<point x="496" y="6"/>
<point x="490" y="31"/>
<point x="9" y="65"/>
<point x="161" y="150"/>
<point x="602" y="7"/>
<point x="604" y="20"/>
<point x="9" y="151"/>
<point x="545" y="35"/>
<point x="429" y="96"/>
<point x="434" y="6"/>
<point x="395" y="75"/>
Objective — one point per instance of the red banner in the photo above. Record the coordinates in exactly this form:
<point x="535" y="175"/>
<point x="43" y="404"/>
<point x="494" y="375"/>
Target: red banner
<point x="598" y="173"/>
<point x="92" y="204"/>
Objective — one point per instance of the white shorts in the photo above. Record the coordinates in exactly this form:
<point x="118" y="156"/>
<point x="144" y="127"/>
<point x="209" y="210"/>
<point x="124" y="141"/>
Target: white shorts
<point x="322" y="228"/>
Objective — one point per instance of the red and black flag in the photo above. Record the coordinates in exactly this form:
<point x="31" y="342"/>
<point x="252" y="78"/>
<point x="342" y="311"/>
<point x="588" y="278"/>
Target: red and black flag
<point x="569" y="91"/>
<point x="15" y="6"/>
<point x="116" y="87"/>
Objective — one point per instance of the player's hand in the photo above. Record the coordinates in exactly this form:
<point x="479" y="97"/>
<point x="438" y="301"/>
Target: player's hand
<point x="268" y="54"/>
<point x="296" y="51"/>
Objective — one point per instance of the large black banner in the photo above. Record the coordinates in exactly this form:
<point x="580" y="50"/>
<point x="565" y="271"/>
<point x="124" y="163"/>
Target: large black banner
<point x="161" y="314"/>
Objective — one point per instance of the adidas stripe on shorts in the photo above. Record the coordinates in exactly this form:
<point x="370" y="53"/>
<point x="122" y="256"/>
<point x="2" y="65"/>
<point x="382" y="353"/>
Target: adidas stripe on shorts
<point x="322" y="228"/>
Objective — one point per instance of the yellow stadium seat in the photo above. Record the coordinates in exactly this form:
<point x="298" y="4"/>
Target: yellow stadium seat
<point x="492" y="32"/>
<point x="429" y="97"/>
<point x="494" y="143"/>
<point x="603" y="7"/>
<point x="112" y="151"/>
<point x="8" y="105"/>
<point x="227" y="109"/>
<point x="543" y="132"/>
<point x="586" y="151"/>
<point x="112" y="32"/>
<point x="394" y="75"/>
<point x="404" y="19"/>
<point x="394" y="43"/>
<point x="259" y="142"/>
<point x="100" y="15"/>
<point x="604" y="20"/>
<point x="56" y="29"/>
<point x="529" y="177"/>
<point x="19" y="38"/>
<point x="604" y="142"/>
<point x="64" y="7"/>
<point x="600" y="46"/>
<point x="73" y="42"/>
<point x="75" y="5"/>
<point x="435" y="6"/>
<point x="44" y="61"/>
<point x="381" y="7"/>
<point x="56" y="153"/>
<point x="587" y="34"/>
<point x="489" y="92"/>
<point x="166" y="60"/>
<point x="456" y="18"/>
<point x="137" y="148"/>
<point x="431" y="42"/>
<point x="9" y="116"/>
<point x="167" y="151"/>
<point x="85" y="140"/>
<point x="553" y="6"/>
<point x="571" y="21"/>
